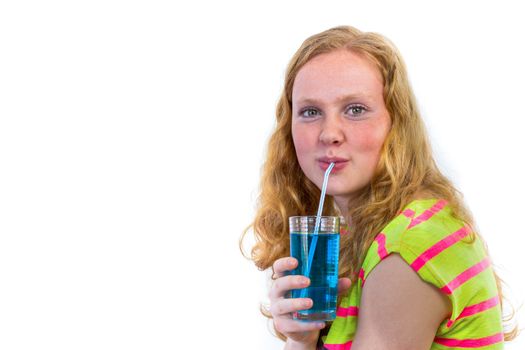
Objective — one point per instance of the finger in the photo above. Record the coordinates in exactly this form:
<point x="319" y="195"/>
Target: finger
<point x="283" y="284"/>
<point x="283" y="264"/>
<point x="283" y="307"/>
<point x="288" y="325"/>
<point x="343" y="285"/>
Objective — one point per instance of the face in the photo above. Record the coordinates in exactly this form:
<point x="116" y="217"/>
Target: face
<point x="339" y="115"/>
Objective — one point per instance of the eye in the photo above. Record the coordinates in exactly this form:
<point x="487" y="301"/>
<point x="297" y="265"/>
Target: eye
<point x="356" y="110"/>
<point x="309" y="113"/>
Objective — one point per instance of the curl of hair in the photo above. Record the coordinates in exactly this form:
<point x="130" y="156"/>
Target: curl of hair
<point x="406" y="167"/>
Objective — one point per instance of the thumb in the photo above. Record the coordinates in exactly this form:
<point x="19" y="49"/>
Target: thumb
<point x="343" y="285"/>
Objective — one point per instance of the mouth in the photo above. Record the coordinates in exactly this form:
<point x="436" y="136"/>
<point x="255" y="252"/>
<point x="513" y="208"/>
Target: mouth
<point x="339" y="164"/>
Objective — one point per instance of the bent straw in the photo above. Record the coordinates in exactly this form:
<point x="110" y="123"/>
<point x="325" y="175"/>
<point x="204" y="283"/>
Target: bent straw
<point x="318" y="221"/>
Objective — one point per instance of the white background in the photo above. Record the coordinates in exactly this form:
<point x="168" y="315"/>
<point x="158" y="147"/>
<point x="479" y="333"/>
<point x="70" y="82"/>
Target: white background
<point x="131" y="142"/>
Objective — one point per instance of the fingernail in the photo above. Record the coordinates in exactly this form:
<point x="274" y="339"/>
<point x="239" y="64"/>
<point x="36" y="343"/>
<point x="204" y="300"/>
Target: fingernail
<point x="320" y="325"/>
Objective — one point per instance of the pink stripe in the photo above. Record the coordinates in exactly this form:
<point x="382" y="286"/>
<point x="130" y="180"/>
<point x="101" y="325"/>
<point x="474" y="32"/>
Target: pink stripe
<point x="465" y="276"/>
<point x="427" y="214"/>
<point x="362" y="277"/>
<point x="362" y="274"/>
<point x="438" y="248"/>
<point x="475" y="309"/>
<point x="470" y="343"/>
<point x="381" y="249"/>
<point x="409" y="213"/>
<point x="345" y="346"/>
<point x="347" y="311"/>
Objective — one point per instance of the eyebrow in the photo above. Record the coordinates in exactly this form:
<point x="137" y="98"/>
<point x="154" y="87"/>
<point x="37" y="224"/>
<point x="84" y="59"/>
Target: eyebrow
<point x="339" y="99"/>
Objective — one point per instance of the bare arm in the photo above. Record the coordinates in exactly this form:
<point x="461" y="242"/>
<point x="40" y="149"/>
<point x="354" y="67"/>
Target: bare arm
<point x="398" y="309"/>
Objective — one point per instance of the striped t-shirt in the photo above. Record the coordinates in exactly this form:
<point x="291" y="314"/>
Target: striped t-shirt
<point x="436" y="246"/>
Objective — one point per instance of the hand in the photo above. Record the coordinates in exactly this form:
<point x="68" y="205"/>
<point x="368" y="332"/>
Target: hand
<point x="282" y="308"/>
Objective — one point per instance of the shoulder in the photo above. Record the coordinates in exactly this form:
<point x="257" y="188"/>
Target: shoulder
<point x="418" y="227"/>
<point x="441" y="248"/>
<point x="399" y="309"/>
<point x="423" y="229"/>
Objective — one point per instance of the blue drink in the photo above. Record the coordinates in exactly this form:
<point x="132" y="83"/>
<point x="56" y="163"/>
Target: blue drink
<point x="323" y="266"/>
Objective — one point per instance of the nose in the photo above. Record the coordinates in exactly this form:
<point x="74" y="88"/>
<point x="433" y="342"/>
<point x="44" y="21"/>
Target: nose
<point x="331" y="131"/>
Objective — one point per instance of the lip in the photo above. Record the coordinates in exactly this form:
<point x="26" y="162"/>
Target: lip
<point x="332" y="160"/>
<point x="340" y="163"/>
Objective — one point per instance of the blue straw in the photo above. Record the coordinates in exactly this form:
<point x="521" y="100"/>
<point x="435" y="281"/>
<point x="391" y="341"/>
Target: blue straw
<point x="318" y="221"/>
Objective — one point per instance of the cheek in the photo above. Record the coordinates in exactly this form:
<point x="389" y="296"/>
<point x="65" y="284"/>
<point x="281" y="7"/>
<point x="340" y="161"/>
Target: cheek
<point x="369" y="140"/>
<point x="302" y="140"/>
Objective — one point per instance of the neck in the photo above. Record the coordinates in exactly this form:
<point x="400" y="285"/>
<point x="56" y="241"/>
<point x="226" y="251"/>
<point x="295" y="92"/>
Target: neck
<point x="343" y="205"/>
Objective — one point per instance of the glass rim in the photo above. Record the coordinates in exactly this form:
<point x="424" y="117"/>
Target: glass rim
<point x="314" y="216"/>
<point x="304" y="224"/>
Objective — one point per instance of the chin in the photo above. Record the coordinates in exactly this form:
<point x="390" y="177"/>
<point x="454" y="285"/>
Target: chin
<point x="343" y="192"/>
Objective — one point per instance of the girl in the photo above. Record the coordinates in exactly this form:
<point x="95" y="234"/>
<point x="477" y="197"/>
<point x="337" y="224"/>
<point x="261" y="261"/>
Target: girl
<point x="414" y="274"/>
